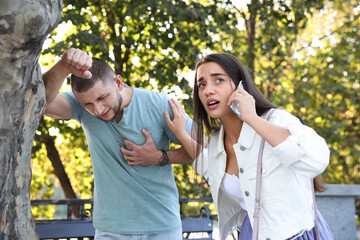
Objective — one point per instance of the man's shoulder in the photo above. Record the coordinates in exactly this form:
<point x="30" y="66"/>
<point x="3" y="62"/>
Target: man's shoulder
<point x="149" y="95"/>
<point x="146" y="91"/>
<point x="70" y="97"/>
<point x="76" y="108"/>
<point x="68" y="94"/>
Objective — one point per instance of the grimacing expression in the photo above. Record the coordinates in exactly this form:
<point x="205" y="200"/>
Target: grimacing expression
<point x="102" y="100"/>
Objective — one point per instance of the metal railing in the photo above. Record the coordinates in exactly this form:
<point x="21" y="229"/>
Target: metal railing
<point x="80" y="211"/>
<point x="84" y="213"/>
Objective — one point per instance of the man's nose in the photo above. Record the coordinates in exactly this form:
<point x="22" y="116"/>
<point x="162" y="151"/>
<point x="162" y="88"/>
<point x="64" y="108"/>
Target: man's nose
<point x="98" y="108"/>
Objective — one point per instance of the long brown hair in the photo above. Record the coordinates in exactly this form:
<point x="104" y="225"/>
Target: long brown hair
<point x="319" y="184"/>
<point x="237" y="72"/>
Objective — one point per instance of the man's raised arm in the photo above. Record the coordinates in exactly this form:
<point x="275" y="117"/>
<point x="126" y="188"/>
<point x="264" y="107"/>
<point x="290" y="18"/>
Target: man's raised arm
<point x="73" y="61"/>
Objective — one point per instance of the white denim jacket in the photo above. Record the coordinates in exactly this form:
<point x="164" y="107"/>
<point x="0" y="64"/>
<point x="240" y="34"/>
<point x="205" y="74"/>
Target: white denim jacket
<point x="288" y="169"/>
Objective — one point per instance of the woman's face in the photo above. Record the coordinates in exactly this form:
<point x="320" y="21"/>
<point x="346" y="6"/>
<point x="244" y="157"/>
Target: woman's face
<point x="214" y="89"/>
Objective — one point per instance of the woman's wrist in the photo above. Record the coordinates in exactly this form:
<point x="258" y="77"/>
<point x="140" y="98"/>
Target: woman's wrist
<point x="182" y="135"/>
<point x="251" y="119"/>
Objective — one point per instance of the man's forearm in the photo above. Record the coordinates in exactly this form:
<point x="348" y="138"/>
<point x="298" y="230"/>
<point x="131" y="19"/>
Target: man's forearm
<point x="179" y="156"/>
<point x="53" y="79"/>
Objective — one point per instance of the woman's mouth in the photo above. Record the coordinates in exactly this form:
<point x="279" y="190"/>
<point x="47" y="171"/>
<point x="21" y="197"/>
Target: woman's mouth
<point x="212" y="104"/>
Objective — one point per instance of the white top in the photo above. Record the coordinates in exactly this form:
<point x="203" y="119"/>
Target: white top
<point x="232" y="186"/>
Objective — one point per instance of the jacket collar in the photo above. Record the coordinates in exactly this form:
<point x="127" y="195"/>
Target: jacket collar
<point x="246" y="138"/>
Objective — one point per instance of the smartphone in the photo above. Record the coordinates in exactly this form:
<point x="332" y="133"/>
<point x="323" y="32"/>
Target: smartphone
<point x="235" y="105"/>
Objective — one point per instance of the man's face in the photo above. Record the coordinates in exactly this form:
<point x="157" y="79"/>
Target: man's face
<point x="103" y="100"/>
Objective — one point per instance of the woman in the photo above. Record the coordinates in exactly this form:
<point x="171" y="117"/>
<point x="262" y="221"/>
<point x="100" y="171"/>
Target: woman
<point x="293" y="154"/>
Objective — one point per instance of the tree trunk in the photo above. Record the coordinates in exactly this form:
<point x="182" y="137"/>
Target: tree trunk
<point x="24" y="25"/>
<point x="251" y="30"/>
<point x="59" y="169"/>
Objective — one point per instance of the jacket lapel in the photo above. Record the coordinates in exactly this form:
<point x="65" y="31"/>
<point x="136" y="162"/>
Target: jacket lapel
<point x="247" y="136"/>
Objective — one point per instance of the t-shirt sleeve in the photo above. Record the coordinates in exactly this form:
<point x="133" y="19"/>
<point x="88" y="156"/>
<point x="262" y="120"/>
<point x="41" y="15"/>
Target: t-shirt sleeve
<point x="76" y="108"/>
<point x="167" y="108"/>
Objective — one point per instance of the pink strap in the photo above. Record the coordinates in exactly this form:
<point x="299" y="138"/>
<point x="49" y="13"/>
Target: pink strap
<point x="258" y="185"/>
<point x="315" y="212"/>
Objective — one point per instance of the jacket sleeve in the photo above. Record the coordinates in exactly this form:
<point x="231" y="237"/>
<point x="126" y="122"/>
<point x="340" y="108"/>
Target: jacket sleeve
<point x="304" y="150"/>
<point x="201" y="163"/>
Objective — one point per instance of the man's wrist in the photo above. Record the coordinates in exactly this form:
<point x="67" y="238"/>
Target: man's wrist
<point x="60" y="70"/>
<point x="164" y="160"/>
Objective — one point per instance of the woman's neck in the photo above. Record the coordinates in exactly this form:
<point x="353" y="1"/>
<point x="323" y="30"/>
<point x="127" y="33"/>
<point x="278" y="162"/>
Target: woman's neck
<point x="232" y="127"/>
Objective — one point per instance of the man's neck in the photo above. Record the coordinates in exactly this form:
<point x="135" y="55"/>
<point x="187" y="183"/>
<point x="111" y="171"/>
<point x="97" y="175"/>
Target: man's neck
<point x="126" y="95"/>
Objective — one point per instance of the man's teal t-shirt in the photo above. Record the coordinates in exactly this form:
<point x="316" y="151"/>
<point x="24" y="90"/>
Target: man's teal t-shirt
<point x="131" y="199"/>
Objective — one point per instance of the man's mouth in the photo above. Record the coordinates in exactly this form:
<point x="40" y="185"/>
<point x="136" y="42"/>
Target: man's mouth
<point x="105" y="113"/>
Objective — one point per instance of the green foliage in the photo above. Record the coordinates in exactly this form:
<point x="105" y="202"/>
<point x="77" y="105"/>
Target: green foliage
<point x="144" y="40"/>
<point x="71" y="144"/>
<point x="266" y="43"/>
<point x="72" y="147"/>
<point x="42" y="183"/>
<point x="304" y="55"/>
<point x="326" y="91"/>
<point x="189" y="183"/>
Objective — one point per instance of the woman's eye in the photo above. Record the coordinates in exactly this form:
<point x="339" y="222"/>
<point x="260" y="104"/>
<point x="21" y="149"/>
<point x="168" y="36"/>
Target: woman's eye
<point x="219" y="80"/>
<point x="200" y="85"/>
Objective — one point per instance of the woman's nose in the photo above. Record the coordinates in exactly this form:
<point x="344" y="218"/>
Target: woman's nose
<point x="208" y="90"/>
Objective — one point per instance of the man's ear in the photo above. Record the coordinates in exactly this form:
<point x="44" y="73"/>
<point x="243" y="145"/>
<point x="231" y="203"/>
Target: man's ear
<point x="119" y="82"/>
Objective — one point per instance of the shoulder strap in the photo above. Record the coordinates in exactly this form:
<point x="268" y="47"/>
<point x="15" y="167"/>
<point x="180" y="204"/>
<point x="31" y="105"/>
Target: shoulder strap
<point x="258" y="184"/>
<point x="315" y="211"/>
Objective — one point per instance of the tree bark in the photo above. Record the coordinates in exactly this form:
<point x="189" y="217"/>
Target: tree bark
<point x="251" y="30"/>
<point x="24" y="25"/>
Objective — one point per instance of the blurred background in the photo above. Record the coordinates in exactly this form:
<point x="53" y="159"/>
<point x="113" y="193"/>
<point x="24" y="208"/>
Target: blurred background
<point x="303" y="55"/>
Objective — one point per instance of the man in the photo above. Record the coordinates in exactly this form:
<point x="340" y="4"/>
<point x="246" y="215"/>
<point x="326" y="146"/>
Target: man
<point x="130" y="202"/>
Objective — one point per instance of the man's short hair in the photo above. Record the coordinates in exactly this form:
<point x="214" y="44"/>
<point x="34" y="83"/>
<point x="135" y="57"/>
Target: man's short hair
<point x="100" y="70"/>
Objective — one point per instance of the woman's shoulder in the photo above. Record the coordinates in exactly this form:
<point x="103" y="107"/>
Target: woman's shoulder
<point x="279" y="115"/>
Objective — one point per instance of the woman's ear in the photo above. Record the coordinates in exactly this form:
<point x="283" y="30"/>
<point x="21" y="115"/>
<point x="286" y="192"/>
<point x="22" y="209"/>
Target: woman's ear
<point x="119" y="82"/>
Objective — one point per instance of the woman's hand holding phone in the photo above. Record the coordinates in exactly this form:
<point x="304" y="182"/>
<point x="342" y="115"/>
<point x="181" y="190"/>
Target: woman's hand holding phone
<point x="246" y="100"/>
<point x="235" y="107"/>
